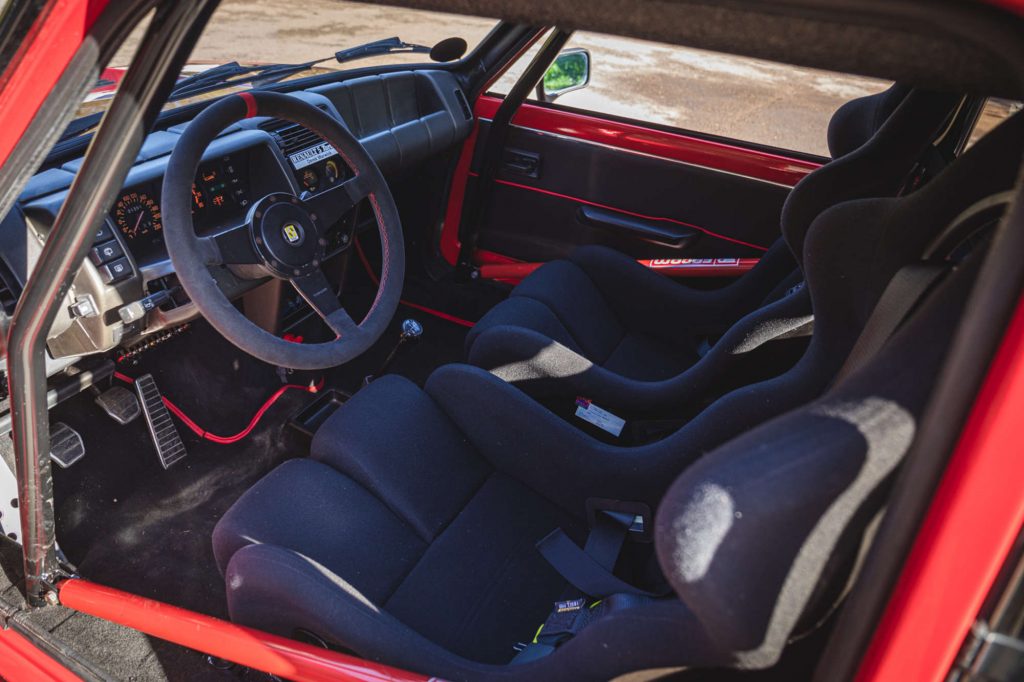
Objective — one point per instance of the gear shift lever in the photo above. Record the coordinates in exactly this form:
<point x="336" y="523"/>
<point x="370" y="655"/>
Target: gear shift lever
<point x="411" y="332"/>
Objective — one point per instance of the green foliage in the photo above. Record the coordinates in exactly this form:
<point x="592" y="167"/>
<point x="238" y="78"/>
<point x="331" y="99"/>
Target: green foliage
<point x="568" y="70"/>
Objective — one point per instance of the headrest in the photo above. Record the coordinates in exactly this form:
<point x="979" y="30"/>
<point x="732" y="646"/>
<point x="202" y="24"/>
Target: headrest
<point x="857" y="121"/>
<point x="877" y="168"/>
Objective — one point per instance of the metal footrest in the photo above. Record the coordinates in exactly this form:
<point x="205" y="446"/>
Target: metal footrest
<point x="120" y="404"/>
<point x="66" y="446"/>
<point x="162" y="429"/>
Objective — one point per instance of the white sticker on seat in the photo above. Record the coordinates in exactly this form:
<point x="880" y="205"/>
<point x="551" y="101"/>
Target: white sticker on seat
<point x="599" y="417"/>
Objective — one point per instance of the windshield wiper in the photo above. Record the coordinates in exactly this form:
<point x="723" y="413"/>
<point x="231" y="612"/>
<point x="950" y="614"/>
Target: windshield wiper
<point x="232" y="73"/>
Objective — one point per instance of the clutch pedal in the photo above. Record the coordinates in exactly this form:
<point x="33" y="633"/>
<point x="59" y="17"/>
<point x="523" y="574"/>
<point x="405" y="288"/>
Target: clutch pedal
<point x="161" y="428"/>
<point x="120" y="404"/>
<point x="66" y="446"/>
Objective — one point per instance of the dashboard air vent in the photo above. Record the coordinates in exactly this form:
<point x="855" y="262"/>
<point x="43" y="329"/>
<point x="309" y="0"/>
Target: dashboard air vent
<point x="291" y="136"/>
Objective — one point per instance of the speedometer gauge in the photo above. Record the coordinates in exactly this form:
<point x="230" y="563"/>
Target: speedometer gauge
<point x="137" y="214"/>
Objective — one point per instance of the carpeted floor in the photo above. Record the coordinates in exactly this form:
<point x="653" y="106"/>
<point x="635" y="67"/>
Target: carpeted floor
<point x="126" y="522"/>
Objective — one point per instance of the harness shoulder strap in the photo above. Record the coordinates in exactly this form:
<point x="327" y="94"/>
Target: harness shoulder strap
<point x="912" y="283"/>
<point x="907" y="287"/>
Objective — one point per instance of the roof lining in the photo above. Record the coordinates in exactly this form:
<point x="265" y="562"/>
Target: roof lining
<point x="943" y="44"/>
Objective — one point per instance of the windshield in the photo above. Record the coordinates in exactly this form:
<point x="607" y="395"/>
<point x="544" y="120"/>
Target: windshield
<point x="260" y="32"/>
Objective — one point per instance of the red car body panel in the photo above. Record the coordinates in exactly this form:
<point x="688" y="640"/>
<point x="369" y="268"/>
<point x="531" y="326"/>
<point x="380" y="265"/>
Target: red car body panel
<point x="973" y="521"/>
<point x="38" y="65"/>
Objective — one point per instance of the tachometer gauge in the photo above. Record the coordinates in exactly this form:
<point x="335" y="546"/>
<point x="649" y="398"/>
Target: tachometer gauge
<point x="331" y="171"/>
<point x="137" y="214"/>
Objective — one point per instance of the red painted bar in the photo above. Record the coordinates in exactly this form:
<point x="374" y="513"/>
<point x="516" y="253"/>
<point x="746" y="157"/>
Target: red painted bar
<point x="20" y="659"/>
<point x="252" y="648"/>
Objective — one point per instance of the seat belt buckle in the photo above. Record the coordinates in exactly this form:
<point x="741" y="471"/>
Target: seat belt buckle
<point x="636" y="514"/>
<point x="565" y="620"/>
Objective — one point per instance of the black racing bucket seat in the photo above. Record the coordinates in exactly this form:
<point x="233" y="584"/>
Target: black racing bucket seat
<point x="599" y="325"/>
<point x="411" y="535"/>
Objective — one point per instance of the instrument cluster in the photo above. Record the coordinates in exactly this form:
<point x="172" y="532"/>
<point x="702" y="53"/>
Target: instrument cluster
<point x="220" y="196"/>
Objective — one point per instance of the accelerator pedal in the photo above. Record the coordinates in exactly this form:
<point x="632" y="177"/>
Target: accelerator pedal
<point x="120" y="404"/>
<point x="66" y="446"/>
<point x="161" y="428"/>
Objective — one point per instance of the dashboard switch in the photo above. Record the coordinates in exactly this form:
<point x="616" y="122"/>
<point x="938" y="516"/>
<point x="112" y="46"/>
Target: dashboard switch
<point x="106" y="252"/>
<point x="103" y="233"/>
<point x="136" y="311"/>
<point x="116" y="270"/>
<point x="84" y="306"/>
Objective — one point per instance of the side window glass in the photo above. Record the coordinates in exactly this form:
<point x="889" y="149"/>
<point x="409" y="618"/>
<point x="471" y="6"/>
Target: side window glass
<point x="992" y="114"/>
<point x="738" y="98"/>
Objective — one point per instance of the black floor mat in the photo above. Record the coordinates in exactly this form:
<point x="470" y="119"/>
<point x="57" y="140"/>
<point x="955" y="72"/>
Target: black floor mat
<point x="128" y="523"/>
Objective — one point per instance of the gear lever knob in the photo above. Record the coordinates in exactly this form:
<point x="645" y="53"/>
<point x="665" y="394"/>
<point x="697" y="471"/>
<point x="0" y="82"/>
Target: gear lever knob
<point x="411" y="331"/>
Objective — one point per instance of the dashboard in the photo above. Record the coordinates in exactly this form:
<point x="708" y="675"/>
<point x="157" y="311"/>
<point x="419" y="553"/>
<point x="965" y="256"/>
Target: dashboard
<point x="401" y="118"/>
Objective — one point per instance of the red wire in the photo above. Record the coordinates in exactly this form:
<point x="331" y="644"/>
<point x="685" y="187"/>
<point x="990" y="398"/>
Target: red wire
<point x="226" y="440"/>
<point x="416" y="306"/>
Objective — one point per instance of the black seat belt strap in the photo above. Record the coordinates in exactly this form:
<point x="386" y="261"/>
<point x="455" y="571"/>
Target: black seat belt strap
<point x="907" y="287"/>
<point x="590" y="570"/>
<point x="911" y="283"/>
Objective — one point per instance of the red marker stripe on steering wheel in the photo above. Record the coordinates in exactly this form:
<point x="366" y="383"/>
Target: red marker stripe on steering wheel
<point x="250" y="104"/>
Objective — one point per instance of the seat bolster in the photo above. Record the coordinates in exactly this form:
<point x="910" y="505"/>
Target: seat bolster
<point x="392" y="439"/>
<point x="280" y="591"/>
<point x="309" y="508"/>
<point x="522" y="438"/>
<point x="543" y="368"/>
<point x="517" y="312"/>
<point x="650" y="303"/>
<point x="577" y="303"/>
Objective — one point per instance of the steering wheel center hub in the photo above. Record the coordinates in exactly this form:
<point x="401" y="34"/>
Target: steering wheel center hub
<point x="287" y="235"/>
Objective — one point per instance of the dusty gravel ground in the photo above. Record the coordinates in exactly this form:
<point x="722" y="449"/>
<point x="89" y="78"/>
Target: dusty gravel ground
<point x="747" y="99"/>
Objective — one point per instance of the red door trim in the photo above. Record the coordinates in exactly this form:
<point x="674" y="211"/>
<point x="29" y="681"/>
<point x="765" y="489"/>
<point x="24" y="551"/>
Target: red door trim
<point x="246" y="646"/>
<point x="972" y="524"/>
<point x="674" y="146"/>
<point x="635" y="214"/>
<point x="751" y="163"/>
<point x="511" y="271"/>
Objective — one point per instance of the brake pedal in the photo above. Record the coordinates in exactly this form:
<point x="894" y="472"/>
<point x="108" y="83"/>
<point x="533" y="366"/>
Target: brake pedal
<point x="120" y="404"/>
<point x="66" y="446"/>
<point x="161" y="428"/>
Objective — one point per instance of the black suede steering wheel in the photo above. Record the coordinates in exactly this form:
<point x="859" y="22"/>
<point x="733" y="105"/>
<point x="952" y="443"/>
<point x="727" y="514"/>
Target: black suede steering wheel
<point x="283" y="236"/>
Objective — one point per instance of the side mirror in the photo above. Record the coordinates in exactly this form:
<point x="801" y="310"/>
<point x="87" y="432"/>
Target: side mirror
<point x="570" y="71"/>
